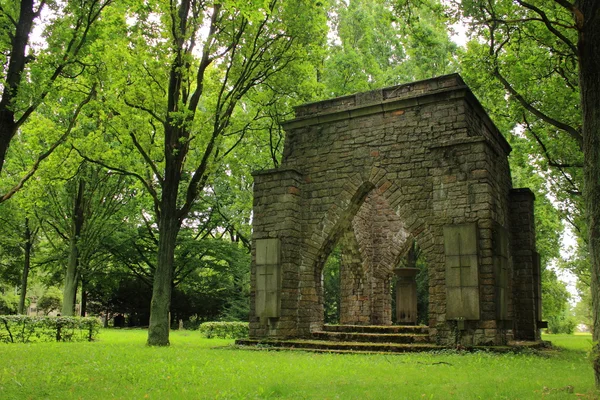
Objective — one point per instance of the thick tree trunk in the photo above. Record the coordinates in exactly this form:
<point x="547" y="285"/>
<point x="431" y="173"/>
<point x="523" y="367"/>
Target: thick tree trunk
<point x="26" y="266"/>
<point x="14" y="73"/>
<point x="158" y="331"/>
<point x="589" y="78"/>
<point x="70" y="289"/>
<point x="168" y="229"/>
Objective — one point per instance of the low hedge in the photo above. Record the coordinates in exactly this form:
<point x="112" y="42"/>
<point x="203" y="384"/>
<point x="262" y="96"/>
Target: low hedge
<point x="24" y="329"/>
<point x="224" y="330"/>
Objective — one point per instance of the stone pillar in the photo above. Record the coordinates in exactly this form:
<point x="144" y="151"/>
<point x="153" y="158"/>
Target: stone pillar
<point x="355" y="306"/>
<point x="406" y="295"/>
<point x="381" y="301"/>
<point x="276" y="242"/>
<point x="523" y="251"/>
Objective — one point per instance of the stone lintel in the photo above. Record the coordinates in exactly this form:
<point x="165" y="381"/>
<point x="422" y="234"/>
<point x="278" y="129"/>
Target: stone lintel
<point x="376" y="108"/>
<point x="403" y="91"/>
<point x="457" y="142"/>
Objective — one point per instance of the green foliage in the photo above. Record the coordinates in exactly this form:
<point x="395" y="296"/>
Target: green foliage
<point x="51" y="300"/>
<point x="555" y="303"/>
<point x="527" y="78"/>
<point x="224" y="330"/>
<point x="563" y="323"/>
<point x="331" y="287"/>
<point x="25" y="329"/>
<point x="582" y="311"/>
<point x="381" y="43"/>
<point x="8" y="303"/>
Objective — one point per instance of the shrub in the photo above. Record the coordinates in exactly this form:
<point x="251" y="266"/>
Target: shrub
<point x="561" y="324"/>
<point x="224" y="330"/>
<point x="24" y="329"/>
<point x="193" y="323"/>
<point x="8" y="303"/>
<point x="50" y="301"/>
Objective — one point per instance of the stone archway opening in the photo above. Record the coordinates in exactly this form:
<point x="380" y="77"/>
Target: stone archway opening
<point x="363" y="279"/>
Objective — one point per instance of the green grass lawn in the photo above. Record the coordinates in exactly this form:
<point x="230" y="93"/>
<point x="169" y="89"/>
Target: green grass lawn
<point x="120" y="366"/>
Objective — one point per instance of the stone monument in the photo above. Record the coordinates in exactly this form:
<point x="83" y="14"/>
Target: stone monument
<point x="374" y="172"/>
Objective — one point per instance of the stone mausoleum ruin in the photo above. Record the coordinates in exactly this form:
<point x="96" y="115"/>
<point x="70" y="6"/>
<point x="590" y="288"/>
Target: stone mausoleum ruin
<point x="374" y="172"/>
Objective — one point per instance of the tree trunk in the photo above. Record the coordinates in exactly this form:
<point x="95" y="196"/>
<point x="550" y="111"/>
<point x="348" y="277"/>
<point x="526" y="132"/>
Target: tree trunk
<point x="14" y="74"/>
<point x="589" y="78"/>
<point x="6" y="134"/>
<point x="70" y="289"/>
<point x="26" y="266"/>
<point x="158" y="331"/>
<point x="83" y="297"/>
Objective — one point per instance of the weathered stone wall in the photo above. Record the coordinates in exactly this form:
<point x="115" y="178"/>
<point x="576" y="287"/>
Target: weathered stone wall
<point x="277" y="215"/>
<point x="524" y="258"/>
<point x="388" y="165"/>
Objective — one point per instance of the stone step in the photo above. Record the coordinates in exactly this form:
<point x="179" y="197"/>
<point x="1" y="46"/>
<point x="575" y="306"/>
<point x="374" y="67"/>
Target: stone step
<point x="384" y="329"/>
<point x="372" y="337"/>
<point x="362" y="347"/>
<point x="337" y="347"/>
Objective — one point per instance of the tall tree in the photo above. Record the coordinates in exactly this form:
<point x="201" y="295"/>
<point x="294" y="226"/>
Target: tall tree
<point x="554" y="42"/>
<point x="382" y="42"/>
<point x="179" y="83"/>
<point x="83" y="211"/>
<point x="19" y="235"/>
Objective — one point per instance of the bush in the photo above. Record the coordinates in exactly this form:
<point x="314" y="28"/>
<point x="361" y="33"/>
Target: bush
<point x="50" y="301"/>
<point x="561" y="324"/>
<point x="224" y="330"/>
<point x="24" y="329"/>
<point x="193" y="323"/>
<point x="8" y="303"/>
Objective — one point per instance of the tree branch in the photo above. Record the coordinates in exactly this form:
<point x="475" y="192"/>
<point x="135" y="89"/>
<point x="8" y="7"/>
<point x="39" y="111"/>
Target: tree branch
<point x="575" y="134"/>
<point x="145" y="109"/>
<point x="72" y="50"/>
<point x="48" y="152"/>
<point x="147" y="185"/>
<point x="549" y="25"/>
<point x="147" y="159"/>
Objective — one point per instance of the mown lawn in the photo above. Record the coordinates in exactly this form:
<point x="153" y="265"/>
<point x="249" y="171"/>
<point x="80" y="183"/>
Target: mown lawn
<point x="120" y="366"/>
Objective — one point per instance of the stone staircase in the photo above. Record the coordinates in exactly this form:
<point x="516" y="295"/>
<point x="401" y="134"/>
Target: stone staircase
<point x="355" y="339"/>
<point x="374" y="339"/>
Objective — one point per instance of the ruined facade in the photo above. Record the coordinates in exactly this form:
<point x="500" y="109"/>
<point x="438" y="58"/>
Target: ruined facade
<point x="373" y="172"/>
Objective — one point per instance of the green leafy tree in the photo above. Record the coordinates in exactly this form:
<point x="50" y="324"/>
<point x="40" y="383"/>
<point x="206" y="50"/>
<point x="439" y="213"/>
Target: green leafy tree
<point x="8" y="303"/>
<point x="544" y="56"/>
<point x="382" y="43"/>
<point x="583" y="309"/>
<point x="20" y="235"/>
<point x="80" y="213"/>
<point x="178" y="85"/>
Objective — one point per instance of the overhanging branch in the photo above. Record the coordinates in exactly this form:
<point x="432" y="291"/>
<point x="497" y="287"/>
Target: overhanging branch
<point x="48" y="152"/>
<point x="574" y="133"/>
